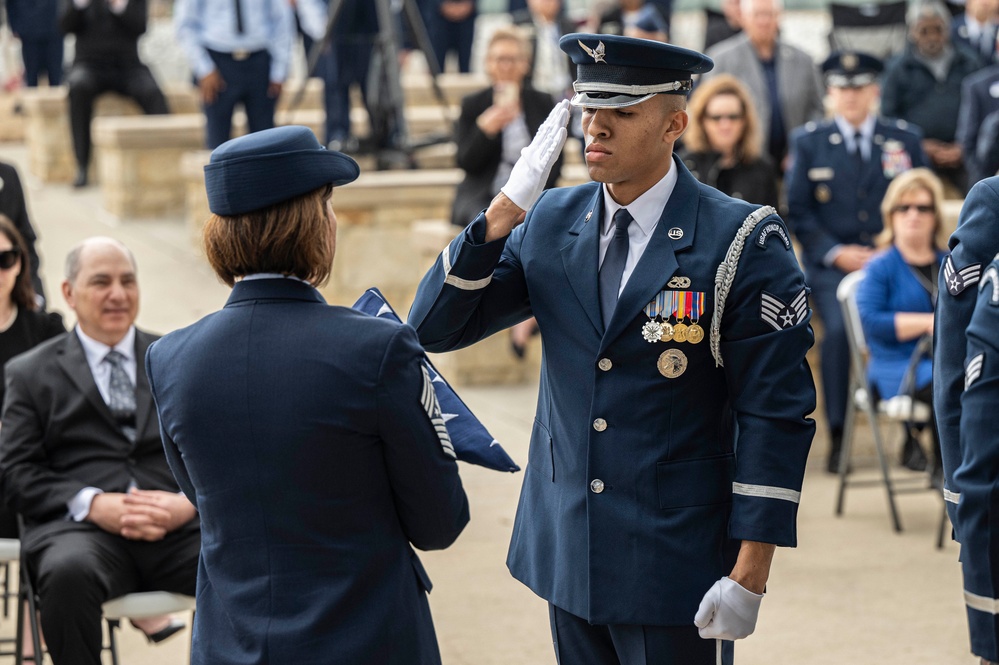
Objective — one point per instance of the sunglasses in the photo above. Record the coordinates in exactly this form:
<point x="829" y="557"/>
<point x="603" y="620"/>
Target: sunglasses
<point x="899" y="208"/>
<point x="8" y="258"/>
<point x="732" y="117"/>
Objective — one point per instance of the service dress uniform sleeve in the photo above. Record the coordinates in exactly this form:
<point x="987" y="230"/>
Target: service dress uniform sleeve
<point x="423" y="472"/>
<point x="765" y="334"/>
<point x="972" y="246"/>
<point x="978" y="474"/>
<point x="474" y="289"/>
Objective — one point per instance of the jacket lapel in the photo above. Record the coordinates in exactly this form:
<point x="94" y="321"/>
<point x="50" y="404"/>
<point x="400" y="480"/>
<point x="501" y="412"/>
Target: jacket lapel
<point x="143" y="396"/>
<point x="73" y="361"/>
<point x="658" y="262"/>
<point x="580" y="258"/>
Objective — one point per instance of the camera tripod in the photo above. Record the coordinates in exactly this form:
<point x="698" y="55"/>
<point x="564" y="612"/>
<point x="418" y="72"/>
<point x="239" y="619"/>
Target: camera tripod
<point x="389" y="138"/>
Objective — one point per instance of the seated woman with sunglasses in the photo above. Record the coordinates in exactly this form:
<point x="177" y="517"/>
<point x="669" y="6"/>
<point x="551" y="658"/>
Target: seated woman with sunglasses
<point x="898" y="294"/>
<point x="722" y="143"/>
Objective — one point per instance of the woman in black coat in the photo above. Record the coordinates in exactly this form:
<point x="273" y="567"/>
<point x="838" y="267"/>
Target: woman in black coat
<point x="496" y="124"/>
<point x="722" y="143"/>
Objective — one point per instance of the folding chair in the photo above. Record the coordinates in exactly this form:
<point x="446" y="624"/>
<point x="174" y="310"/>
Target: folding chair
<point x="877" y="28"/>
<point x="900" y="408"/>
<point x="142" y="605"/>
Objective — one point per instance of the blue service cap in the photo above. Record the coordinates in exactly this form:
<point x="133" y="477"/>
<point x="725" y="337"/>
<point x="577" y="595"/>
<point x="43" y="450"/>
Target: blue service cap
<point x="613" y="71"/>
<point x="260" y="169"/>
<point x="851" y="69"/>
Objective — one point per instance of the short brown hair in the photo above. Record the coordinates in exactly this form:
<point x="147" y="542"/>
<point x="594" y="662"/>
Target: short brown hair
<point x="293" y="237"/>
<point x="902" y="184"/>
<point x="23" y="294"/>
<point x="696" y="140"/>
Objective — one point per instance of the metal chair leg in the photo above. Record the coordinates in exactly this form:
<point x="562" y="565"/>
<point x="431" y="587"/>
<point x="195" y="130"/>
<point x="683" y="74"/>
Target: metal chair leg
<point x="845" y="452"/>
<point x="112" y="642"/>
<point x="883" y="463"/>
<point x="36" y="635"/>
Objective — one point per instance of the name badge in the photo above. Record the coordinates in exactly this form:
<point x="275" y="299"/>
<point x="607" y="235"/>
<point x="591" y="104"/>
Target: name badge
<point x="819" y="174"/>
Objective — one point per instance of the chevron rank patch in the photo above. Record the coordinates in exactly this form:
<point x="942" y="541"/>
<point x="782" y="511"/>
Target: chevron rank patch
<point x="973" y="370"/>
<point x="779" y="314"/>
<point x="433" y="409"/>
<point x="958" y="280"/>
<point x="991" y="276"/>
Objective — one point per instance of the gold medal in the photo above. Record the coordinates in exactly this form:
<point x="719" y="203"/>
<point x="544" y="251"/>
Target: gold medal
<point x="695" y="333"/>
<point x="680" y="332"/>
<point x="672" y="363"/>
<point x="667" y="332"/>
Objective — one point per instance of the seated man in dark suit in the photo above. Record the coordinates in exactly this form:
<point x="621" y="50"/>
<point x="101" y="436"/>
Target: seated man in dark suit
<point x="107" y="60"/>
<point x="81" y="460"/>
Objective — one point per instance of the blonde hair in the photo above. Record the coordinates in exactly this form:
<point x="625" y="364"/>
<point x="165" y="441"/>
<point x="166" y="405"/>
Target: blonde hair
<point x="902" y="184"/>
<point x="748" y="149"/>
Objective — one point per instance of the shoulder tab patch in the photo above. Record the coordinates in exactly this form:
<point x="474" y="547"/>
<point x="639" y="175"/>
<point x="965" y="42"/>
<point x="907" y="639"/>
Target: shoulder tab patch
<point x="780" y="315"/>
<point x="973" y="370"/>
<point x="773" y="229"/>
<point x="958" y="280"/>
<point x="991" y="276"/>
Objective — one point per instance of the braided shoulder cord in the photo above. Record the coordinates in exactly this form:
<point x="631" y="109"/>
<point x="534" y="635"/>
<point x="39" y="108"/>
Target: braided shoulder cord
<point x="725" y="276"/>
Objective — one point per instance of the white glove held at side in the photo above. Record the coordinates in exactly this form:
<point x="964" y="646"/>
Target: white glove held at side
<point x="530" y="173"/>
<point x="728" y="611"/>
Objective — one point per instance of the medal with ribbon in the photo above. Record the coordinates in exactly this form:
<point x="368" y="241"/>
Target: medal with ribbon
<point x="695" y="333"/>
<point x="652" y="330"/>
<point x="681" y="311"/>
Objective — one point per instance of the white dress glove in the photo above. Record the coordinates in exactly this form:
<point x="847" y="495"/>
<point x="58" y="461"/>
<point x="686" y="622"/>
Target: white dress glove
<point x="530" y="173"/>
<point x="728" y="611"/>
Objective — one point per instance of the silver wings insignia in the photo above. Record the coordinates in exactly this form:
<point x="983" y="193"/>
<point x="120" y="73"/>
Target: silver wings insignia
<point x="597" y="54"/>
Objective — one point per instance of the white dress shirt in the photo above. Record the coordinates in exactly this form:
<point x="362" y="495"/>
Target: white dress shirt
<point x="79" y="505"/>
<point x="646" y="211"/>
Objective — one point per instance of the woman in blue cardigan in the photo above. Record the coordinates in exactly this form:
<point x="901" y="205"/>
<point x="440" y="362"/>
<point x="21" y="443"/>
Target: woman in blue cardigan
<point x="898" y="294"/>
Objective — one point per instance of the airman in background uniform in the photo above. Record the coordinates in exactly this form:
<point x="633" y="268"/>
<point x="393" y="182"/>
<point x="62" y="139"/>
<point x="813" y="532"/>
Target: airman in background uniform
<point x="840" y="169"/>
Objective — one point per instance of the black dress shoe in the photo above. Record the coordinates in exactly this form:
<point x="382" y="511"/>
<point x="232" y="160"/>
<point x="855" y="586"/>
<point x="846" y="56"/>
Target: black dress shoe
<point x="172" y="628"/>
<point x="913" y="455"/>
<point x="81" y="178"/>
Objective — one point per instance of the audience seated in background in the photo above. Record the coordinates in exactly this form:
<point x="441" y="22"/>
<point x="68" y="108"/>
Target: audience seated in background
<point x="82" y="461"/>
<point x="839" y="172"/>
<point x="783" y="81"/>
<point x="494" y="126"/>
<point x="623" y="15"/>
<point x="22" y="324"/>
<point x="897" y="297"/>
<point x="719" y="26"/>
<point x="722" y="142"/>
<point x="14" y="206"/>
<point x="978" y="124"/>
<point x="451" y="24"/>
<point x="237" y="57"/>
<point x="544" y="23"/>
<point x="923" y="86"/>
<point x="649" y="25"/>
<point x="107" y="60"/>
<point x="35" y="23"/>
<point x="975" y="29"/>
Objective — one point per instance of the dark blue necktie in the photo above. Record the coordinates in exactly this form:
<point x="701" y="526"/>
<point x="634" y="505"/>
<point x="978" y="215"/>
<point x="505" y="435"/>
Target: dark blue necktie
<point x="613" y="267"/>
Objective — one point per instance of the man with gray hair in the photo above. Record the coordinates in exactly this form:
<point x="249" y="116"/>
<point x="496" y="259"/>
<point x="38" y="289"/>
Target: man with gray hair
<point x="923" y="87"/>
<point x="782" y="79"/>
<point x="81" y="461"/>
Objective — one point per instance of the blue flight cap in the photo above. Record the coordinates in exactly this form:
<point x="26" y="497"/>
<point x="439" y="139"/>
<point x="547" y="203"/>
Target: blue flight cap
<point x="613" y="71"/>
<point x="851" y="69"/>
<point x="260" y="169"/>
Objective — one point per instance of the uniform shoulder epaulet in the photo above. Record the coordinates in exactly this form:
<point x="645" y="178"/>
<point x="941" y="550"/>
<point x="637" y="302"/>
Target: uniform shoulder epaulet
<point x="901" y="124"/>
<point x="811" y="126"/>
